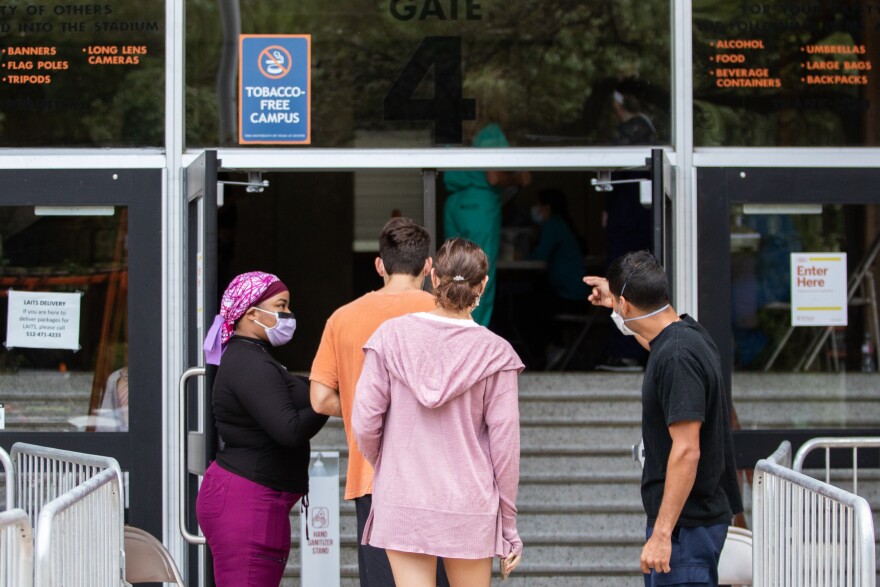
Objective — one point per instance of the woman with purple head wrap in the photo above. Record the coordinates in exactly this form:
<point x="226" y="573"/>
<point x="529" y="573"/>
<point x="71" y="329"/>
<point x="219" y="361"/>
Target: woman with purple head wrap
<point x="265" y="420"/>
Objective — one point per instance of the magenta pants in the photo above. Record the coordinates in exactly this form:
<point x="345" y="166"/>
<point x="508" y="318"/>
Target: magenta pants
<point x="247" y="526"/>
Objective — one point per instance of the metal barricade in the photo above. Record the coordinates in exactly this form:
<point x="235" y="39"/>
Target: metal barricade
<point x="807" y="532"/>
<point x="16" y="549"/>
<point x="782" y="455"/>
<point x="9" y="479"/>
<point x="828" y="443"/>
<point x="79" y="541"/>
<point x="43" y="474"/>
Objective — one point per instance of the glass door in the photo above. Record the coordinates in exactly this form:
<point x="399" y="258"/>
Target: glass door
<point x="200" y="442"/>
<point x="787" y="282"/>
<point x="80" y="305"/>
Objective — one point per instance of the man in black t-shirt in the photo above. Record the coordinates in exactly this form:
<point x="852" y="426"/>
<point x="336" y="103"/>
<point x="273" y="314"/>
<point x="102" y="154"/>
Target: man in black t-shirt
<point x="689" y="486"/>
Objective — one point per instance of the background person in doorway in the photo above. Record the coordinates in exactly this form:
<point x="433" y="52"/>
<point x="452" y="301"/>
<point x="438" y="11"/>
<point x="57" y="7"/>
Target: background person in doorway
<point x="473" y="207"/>
<point x="628" y="224"/>
<point x="558" y="246"/>
<point x="436" y="411"/>
<point x="265" y="421"/>
<point x="403" y="263"/>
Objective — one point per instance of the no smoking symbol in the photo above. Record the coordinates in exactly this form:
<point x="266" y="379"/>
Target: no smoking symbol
<point x="274" y="62"/>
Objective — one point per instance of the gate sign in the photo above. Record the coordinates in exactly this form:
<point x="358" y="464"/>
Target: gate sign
<point x="274" y="92"/>
<point x="818" y="289"/>
<point x="43" y="320"/>
<point x="320" y="551"/>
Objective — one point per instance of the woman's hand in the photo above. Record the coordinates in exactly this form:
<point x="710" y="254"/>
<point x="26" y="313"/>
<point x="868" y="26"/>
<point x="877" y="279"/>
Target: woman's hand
<point x="509" y="564"/>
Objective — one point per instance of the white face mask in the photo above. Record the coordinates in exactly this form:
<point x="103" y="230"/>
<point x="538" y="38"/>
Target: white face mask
<point x="620" y="321"/>
<point x="537" y="217"/>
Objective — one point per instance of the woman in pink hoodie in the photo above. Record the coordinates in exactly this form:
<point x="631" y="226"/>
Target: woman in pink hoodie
<point x="436" y="412"/>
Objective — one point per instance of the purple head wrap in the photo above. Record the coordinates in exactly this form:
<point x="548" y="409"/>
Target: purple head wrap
<point x="245" y="291"/>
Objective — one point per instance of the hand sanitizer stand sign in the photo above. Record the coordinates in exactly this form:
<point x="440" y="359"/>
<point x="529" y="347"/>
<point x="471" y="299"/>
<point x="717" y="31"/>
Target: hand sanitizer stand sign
<point x="320" y="551"/>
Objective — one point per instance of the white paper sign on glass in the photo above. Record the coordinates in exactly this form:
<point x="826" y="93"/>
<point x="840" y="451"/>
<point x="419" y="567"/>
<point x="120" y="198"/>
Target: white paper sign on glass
<point x="320" y="550"/>
<point x="43" y="320"/>
<point x="818" y="289"/>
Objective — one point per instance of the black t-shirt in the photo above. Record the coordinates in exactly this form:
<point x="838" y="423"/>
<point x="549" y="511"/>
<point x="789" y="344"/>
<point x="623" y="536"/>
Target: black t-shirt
<point x="683" y="382"/>
<point x="264" y="417"/>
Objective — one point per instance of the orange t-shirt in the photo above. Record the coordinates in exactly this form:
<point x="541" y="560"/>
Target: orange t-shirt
<point x="340" y="359"/>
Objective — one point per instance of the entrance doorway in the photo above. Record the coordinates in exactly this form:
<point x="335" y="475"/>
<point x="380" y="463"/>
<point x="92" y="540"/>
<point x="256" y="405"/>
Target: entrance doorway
<point x="792" y="382"/>
<point x="80" y="305"/>
<point x="319" y="232"/>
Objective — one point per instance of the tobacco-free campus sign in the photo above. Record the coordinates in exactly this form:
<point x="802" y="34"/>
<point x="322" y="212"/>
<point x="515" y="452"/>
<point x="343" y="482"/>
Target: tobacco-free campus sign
<point x="818" y="289"/>
<point x="274" y="89"/>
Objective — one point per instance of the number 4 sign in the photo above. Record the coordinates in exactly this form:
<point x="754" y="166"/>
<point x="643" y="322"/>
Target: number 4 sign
<point x="448" y="109"/>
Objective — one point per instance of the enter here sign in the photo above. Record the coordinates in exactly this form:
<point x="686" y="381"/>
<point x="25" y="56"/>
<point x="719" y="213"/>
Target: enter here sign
<point x="818" y="289"/>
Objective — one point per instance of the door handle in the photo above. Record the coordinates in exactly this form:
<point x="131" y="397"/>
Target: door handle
<point x="187" y="535"/>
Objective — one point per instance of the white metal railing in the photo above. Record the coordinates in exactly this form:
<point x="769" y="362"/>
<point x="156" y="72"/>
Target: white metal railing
<point x="809" y="533"/>
<point x="78" y="538"/>
<point x="782" y="456"/>
<point x="16" y="549"/>
<point x="44" y="473"/>
<point x="9" y="478"/>
<point x="829" y="443"/>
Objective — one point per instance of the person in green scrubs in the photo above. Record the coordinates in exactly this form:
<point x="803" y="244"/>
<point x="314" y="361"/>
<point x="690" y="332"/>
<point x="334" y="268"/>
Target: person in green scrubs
<point x="473" y="209"/>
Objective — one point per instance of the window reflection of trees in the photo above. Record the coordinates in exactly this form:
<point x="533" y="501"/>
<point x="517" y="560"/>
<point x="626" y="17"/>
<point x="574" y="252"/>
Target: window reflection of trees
<point x="796" y="114"/>
<point x="558" y="60"/>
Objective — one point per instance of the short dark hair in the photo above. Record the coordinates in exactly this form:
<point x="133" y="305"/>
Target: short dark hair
<point x="642" y="276"/>
<point x="460" y="267"/>
<point x="403" y="246"/>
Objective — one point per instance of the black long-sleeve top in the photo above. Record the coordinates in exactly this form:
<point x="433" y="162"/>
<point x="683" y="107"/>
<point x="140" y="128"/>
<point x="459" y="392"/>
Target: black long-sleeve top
<point x="264" y="417"/>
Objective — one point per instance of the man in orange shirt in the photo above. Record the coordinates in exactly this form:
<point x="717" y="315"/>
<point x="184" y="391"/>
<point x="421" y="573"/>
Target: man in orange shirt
<point x="403" y="263"/>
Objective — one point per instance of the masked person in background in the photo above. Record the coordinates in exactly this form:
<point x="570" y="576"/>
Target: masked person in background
<point x="265" y="420"/>
<point x="437" y="413"/>
<point x="558" y="246"/>
<point x="473" y="208"/>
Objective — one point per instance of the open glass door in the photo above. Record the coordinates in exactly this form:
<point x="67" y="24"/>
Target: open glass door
<point x="81" y="310"/>
<point x="200" y="441"/>
<point x="662" y="208"/>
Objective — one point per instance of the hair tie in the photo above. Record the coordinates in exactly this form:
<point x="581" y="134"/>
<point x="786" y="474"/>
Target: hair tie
<point x="458" y="278"/>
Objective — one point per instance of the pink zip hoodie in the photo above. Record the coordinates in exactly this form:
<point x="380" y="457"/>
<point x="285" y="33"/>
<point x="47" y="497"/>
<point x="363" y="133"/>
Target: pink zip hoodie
<point x="436" y="412"/>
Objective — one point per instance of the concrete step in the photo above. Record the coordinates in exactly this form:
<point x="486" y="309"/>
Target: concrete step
<point x="809" y="412"/>
<point x="816" y="385"/>
<point x="592" y="520"/>
<point x="527" y="574"/>
<point x="546" y="432"/>
<point x="550" y="432"/>
<point x="593" y="382"/>
<point x="581" y="489"/>
<point x="618" y="551"/>
<point x="581" y="408"/>
<point x="558" y="460"/>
